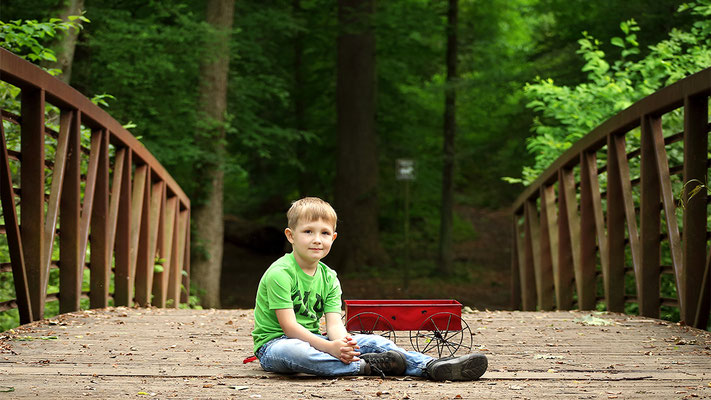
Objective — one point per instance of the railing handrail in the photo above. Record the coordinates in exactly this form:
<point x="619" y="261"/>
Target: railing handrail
<point x="561" y="243"/>
<point x="21" y="73"/>
<point x="656" y="103"/>
<point x="138" y="211"/>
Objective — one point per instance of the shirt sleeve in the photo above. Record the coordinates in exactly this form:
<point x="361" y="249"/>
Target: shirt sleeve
<point x="333" y="300"/>
<point x="278" y="284"/>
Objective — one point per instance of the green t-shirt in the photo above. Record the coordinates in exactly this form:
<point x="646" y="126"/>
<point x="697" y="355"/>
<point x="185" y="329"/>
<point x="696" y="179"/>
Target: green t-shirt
<point x="286" y="285"/>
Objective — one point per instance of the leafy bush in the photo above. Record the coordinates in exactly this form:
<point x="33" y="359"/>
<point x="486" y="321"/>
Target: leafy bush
<point x="566" y="114"/>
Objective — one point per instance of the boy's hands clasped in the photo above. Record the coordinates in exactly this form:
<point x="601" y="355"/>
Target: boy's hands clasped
<point x="345" y="349"/>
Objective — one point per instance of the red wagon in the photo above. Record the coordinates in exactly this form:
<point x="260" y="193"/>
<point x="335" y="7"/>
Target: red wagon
<point x="436" y="326"/>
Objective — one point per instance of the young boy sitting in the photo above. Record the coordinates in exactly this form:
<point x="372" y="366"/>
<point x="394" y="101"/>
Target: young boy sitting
<point x="298" y="289"/>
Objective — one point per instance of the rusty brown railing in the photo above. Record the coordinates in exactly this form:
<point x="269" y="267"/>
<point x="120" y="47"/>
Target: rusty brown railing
<point x="129" y="216"/>
<point x="576" y="230"/>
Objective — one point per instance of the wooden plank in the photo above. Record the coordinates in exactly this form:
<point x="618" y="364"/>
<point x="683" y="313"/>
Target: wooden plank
<point x="119" y="352"/>
<point x="89" y="189"/>
<point x="157" y="219"/>
<point x="140" y="183"/>
<point x="590" y="204"/>
<point x="662" y="164"/>
<point x="695" y="209"/>
<point x="549" y="246"/>
<point x="648" y="296"/>
<point x="116" y="183"/>
<point x="145" y="276"/>
<point x="534" y="229"/>
<point x="55" y="192"/>
<point x="123" y="233"/>
<point x="185" y="294"/>
<point x="100" y="259"/>
<point x="176" y="276"/>
<point x="70" y="258"/>
<point x="146" y="249"/>
<point x="160" y="283"/>
<point x="14" y="238"/>
<point x="184" y="281"/>
<point x="628" y="207"/>
<point x="614" y="301"/>
<point x="32" y="204"/>
<point x="528" y="275"/>
<point x="703" y="307"/>
<point x="543" y="273"/>
<point x="614" y="278"/>
<point x="515" y="265"/>
<point x="569" y="206"/>
<point x="565" y="251"/>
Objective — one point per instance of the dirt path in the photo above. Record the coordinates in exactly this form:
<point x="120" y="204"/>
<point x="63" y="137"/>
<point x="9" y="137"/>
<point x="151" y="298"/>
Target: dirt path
<point x="165" y="353"/>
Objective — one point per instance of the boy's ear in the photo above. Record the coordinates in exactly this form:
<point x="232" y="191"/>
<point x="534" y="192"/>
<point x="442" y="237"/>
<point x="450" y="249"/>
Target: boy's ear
<point x="289" y="235"/>
<point x="335" y="234"/>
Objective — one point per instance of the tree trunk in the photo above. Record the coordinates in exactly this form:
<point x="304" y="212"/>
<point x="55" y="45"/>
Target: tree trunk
<point x="208" y="222"/>
<point x="305" y="182"/>
<point x="65" y="43"/>
<point x="450" y="128"/>
<point x="356" y="197"/>
<point x="299" y="105"/>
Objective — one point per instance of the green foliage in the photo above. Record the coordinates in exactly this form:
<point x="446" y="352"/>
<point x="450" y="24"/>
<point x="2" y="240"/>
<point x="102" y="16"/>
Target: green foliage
<point x="140" y="52"/>
<point x="27" y="38"/>
<point x="566" y="114"/>
<point x="562" y="21"/>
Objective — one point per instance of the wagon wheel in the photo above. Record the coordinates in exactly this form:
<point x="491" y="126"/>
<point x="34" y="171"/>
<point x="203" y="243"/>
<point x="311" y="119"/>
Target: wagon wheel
<point x="439" y="335"/>
<point x="371" y="323"/>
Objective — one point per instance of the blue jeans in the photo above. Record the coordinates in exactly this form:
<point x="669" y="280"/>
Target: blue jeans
<point x="284" y="355"/>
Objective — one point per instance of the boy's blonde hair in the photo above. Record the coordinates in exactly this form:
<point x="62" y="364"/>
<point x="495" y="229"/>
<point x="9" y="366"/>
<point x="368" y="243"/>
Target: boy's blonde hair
<point x="311" y="209"/>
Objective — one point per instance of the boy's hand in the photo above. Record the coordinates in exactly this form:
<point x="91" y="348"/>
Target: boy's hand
<point x="345" y="349"/>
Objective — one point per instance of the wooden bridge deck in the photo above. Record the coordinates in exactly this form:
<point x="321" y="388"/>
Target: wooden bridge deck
<point x="166" y="353"/>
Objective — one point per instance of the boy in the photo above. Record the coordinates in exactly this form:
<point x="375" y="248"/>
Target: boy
<point x="298" y="289"/>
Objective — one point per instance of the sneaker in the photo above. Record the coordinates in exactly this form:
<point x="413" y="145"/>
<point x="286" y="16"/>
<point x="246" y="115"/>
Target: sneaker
<point x="465" y="368"/>
<point x="388" y="363"/>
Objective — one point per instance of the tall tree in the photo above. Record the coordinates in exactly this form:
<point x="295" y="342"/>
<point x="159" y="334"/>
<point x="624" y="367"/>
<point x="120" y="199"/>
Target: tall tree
<point x="356" y="191"/>
<point x="450" y="129"/>
<point x="208" y="222"/>
<point x="66" y="43"/>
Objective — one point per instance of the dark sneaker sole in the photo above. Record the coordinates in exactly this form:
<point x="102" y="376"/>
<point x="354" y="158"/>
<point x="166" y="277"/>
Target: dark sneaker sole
<point x="464" y="368"/>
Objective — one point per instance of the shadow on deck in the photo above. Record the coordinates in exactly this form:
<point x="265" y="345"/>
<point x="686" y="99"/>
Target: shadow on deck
<point x="168" y="353"/>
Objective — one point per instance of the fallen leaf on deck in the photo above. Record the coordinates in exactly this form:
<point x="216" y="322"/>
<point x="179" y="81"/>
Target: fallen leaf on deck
<point x="593" y="321"/>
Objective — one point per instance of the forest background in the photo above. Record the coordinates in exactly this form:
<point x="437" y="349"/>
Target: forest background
<point x="253" y="104"/>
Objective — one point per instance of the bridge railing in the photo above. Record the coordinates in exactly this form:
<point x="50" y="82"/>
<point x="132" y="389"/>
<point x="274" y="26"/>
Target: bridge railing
<point x="609" y="207"/>
<point x="83" y="193"/>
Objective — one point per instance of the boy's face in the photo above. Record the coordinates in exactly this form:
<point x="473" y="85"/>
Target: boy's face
<point x="311" y="240"/>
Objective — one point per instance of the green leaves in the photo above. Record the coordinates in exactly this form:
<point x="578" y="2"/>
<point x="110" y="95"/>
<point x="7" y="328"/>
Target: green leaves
<point x="565" y="114"/>
<point x="618" y="42"/>
<point x="27" y="38"/>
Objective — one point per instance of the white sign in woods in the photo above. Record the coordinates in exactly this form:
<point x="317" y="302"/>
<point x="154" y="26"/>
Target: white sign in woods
<point x="405" y="169"/>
